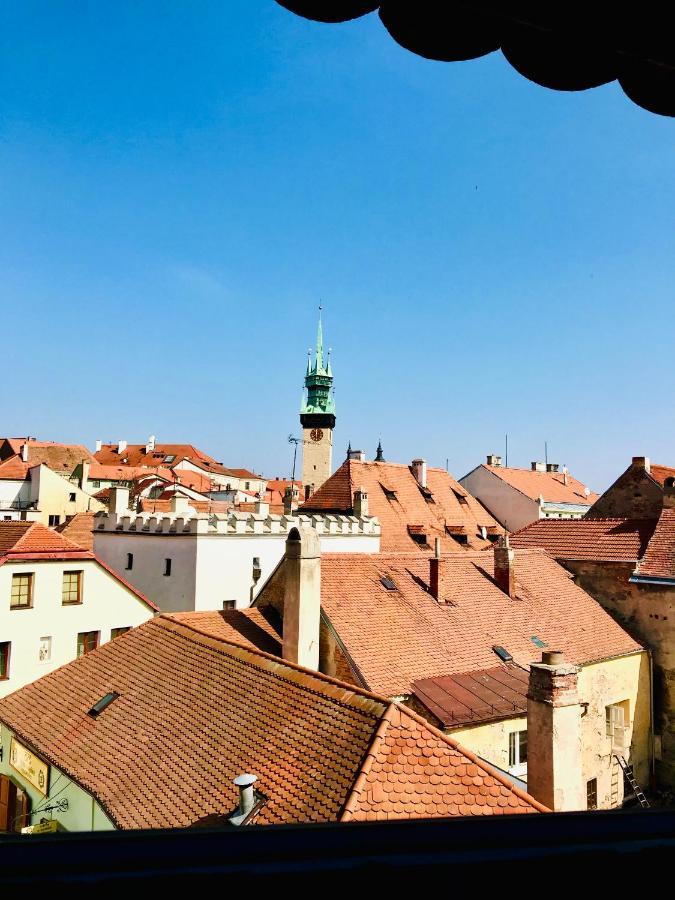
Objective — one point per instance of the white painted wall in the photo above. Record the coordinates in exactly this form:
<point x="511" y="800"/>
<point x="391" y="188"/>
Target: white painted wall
<point x="508" y="506"/>
<point x="106" y="604"/>
<point x="11" y="491"/>
<point x="206" y="569"/>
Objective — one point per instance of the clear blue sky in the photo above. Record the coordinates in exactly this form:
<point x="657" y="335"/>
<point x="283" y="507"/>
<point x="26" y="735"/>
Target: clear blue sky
<point x="180" y="183"/>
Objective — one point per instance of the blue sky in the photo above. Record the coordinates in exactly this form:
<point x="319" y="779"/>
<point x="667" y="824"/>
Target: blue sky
<point x="181" y="183"/>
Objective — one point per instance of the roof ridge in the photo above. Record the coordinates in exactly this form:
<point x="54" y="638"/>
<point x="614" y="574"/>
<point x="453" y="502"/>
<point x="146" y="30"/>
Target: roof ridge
<point x="275" y="663"/>
<point x="481" y="763"/>
<point x="367" y="764"/>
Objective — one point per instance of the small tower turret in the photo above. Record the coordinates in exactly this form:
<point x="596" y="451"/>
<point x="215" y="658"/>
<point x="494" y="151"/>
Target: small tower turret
<point x="317" y="417"/>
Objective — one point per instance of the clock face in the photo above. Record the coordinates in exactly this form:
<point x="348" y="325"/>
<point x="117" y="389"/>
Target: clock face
<point x="316" y="434"/>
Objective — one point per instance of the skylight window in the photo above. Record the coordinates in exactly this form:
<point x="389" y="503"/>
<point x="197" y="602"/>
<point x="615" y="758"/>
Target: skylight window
<point x="503" y="654"/>
<point x="102" y="704"/>
<point x="388" y="583"/>
<point x="169" y="458"/>
<point x="538" y="641"/>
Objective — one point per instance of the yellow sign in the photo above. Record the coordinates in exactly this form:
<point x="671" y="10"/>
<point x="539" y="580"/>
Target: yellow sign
<point x="47" y="826"/>
<point x="27" y="764"/>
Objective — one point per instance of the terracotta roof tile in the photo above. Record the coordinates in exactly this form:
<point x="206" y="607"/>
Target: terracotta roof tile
<point x="204" y="710"/>
<point x="79" y="529"/>
<point x="33" y="537"/>
<point x="660" y="473"/>
<point x="659" y="558"/>
<point x="549" y="485"/>
<point x="409" y="507"/>
<point x="14" y="469"/>
<point x="608" y="540"/>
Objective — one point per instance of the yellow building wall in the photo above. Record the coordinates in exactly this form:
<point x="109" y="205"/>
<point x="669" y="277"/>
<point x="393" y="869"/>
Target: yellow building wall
<point x="53" y="495"/>
<point x="600" y="685"/>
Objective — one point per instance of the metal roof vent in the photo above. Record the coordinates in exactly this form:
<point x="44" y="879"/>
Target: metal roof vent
<point x="102" y="704"/>
<point x="247" y="799"/>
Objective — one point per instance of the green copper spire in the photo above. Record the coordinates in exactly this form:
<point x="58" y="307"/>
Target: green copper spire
<point x="319" y="380"/>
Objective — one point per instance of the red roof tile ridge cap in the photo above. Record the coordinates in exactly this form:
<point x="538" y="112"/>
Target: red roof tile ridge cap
<point x="40" y="527"/>
<point x="273" y="663"/>
<point x="358" y="786"/>
<point x="486" y="767"/>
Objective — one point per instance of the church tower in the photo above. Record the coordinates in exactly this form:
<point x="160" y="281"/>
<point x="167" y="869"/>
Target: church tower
<point x="317" y="417"/>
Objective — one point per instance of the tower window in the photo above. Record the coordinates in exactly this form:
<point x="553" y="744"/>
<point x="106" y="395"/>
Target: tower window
<point x="167" y="566"/>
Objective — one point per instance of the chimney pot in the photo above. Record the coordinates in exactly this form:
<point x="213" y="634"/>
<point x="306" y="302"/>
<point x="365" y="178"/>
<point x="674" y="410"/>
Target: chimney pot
<point x="419" y="470"/>
<point x="552" y="657"/>
<point x="246" y="795"/>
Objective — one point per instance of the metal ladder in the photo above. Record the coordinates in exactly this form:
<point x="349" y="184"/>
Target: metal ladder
<point x="630" y="778"/>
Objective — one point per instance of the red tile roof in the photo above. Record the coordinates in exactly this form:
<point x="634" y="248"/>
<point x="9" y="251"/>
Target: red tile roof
<point x="549" y="485"/>
<point x="659" y="559"/>
<point x="660" y="473"/>
<point x="33" y="537"/>
<point x="449" y="503"/>
<point x="13" y="469"/>
<point x="396" y="637"/>
<point x="409" y="772"/>
<point x="100" y="472"/>
<point x="79" y="529"/>
<point x="135" y="455"/>
<point x="608" y="540"/>
<point x="62" y="458"/>
<point x="203" y="711"/>
<point x="473" y="697"/>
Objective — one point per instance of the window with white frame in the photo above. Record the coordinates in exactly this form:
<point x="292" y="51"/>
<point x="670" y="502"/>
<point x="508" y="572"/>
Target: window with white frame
<point x="518" y="752"/>
<point x="616" y="720"/>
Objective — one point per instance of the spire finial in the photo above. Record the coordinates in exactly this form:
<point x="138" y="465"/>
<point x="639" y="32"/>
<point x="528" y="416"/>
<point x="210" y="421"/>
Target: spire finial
<point x="349" y="450"/>
<point x="319" y="343"/>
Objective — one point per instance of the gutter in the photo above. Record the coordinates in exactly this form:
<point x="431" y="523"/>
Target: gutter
<point x="646" y="579"/>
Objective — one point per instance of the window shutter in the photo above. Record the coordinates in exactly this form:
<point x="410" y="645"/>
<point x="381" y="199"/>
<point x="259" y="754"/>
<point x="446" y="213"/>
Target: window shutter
<point x="7" y="802"/>
<point x="21" y="811"/>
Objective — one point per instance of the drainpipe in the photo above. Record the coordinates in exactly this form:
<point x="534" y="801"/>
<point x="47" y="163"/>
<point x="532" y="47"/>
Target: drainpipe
<point x="652" y="766"/>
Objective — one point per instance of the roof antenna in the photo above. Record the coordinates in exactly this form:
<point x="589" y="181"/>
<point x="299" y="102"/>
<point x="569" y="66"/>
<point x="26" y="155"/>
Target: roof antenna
<point x="506" y="455"/>
<point x="546" y="453"/>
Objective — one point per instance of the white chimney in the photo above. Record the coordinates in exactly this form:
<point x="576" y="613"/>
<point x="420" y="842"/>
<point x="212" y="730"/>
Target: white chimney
<point x="359" y="455"/>
<point x="86" y="466"/>
<point x="121" y="446"/>
<point x="302" y="598"/>
<point x="538" y="466"/>
<point x="180" y="503"/>
<point x="24" y="452"/>
<point x="419" y="470"/>
<point x="119" y="500"/>
<point x="246" y="798"/>
<point x="262" y="508"/>
<point x="494" y="460"/>
<point x="150" y="446"/>
<point x="99" y="444"/>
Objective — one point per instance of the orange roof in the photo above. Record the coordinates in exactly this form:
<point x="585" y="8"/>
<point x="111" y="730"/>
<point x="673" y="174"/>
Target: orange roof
<point x="549" y="485"/>
<point x="608" y="540"/>
<point x="194" y="480"/>
<point x="396" y="637"/>
<point x="659" y="559"/>
<point x="395" y="497"/>
<point x="14" y="469"/>
<point x="79" y="529"/>
<point x="100" y="472"/>
<point x="33" y="537"/>
<point x="59" y="457"/>
<point x="321" y="750"/>
<point x="660" y="473"/>
<point x="135" y="455"/>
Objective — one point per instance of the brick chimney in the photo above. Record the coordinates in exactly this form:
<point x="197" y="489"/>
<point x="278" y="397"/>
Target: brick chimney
<point x="419" y="470"/>
<point x="505" y="574"/>
<point x="437" y="573"/>
<point x="554" y="760"/>
<point x="302" y="598"/>
<point x="642" y="462"/>
<point x="360" y="503"/>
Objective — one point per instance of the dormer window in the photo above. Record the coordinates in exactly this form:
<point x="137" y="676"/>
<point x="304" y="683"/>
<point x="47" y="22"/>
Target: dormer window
<point x="388" y="492"/>
<point x="418" y="534"/>
<point x="461" y="496"/>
